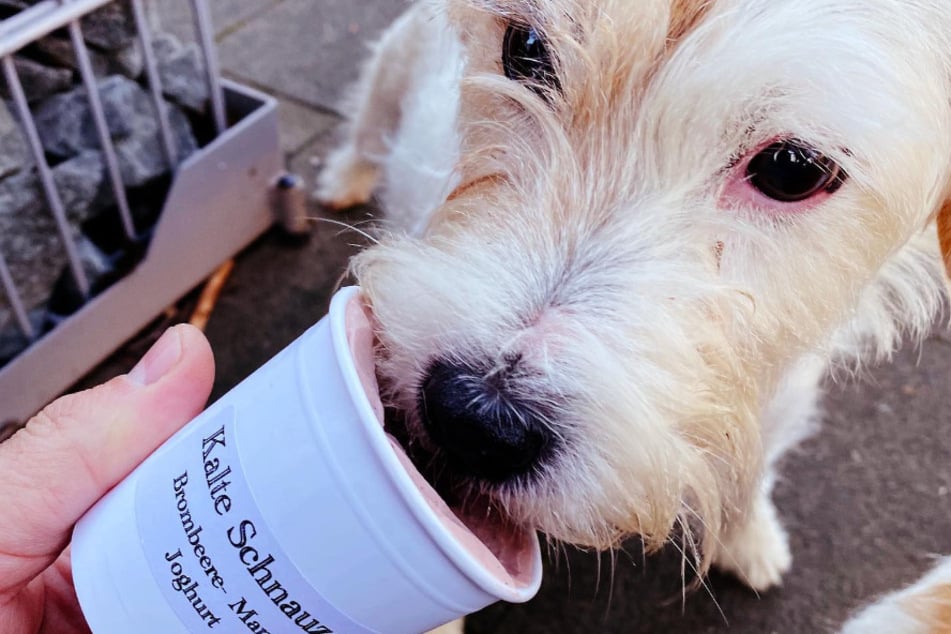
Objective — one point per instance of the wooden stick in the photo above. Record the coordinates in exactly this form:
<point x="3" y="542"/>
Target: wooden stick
<point x="210" y="294"/>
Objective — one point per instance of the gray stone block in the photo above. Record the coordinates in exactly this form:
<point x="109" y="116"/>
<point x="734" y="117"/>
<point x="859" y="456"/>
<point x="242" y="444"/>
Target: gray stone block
<point x="34" y="253"/>
<point x="29" y="236"/>
<point x="9" y="7"/>
<point x="65" y="121"/>
<point x="14" y="151"/>
<point x="127" y="61"/>
<point x="23" y="202"/>
<point x="59" y="52"/>
<point x="66" y="128"/>
<point x="39" y="81"/>
<point x="79" y="182"/>
<point x="182" y="71"/>
<point x="112" y="27"/>
<point x="141" y="155"/>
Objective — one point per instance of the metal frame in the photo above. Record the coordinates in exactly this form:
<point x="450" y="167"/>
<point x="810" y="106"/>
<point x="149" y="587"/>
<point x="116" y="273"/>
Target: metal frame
<point x="219" y="201"/>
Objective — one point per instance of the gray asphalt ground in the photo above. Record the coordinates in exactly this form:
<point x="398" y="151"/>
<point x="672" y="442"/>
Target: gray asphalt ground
<point x="866" y="500"/>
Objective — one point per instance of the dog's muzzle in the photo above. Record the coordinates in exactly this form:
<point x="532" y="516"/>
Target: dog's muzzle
<point x="487" y="430"/>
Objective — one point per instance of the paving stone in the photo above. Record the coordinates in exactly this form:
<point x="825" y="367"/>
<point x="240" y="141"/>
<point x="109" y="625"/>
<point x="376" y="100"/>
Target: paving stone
<point x="175" y="16"/>
<point x="230" y="14"/>
<point x="308" y="161"/>
<point x="299" y="124"/>
<point x="308" y="50"/>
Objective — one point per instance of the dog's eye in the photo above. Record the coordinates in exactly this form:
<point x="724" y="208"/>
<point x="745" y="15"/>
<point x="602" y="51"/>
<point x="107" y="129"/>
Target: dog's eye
<point x="791" y="171"/>
<point x="525" y="56"/>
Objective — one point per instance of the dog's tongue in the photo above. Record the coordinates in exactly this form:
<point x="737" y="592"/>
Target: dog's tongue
<point x="502" y="548"/>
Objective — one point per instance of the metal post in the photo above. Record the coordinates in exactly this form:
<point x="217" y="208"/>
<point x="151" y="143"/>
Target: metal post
<point x="13" y="295"/>
<point x="46" y="174"/>
<point x="102" y="128"/>
<point x="155" y="83"/>
<point x="290" y="205"/>
<point x="206" y="37"/>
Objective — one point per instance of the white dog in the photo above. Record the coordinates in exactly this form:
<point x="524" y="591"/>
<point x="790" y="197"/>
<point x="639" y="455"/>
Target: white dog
<point x="635" y="236"/>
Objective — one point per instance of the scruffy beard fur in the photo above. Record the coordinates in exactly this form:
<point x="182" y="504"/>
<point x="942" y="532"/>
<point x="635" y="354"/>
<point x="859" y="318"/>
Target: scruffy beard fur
<point x="596" y="228"/>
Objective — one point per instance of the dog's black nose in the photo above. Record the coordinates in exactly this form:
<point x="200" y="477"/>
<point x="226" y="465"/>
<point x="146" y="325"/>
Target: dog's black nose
<point x="486" y="431"/>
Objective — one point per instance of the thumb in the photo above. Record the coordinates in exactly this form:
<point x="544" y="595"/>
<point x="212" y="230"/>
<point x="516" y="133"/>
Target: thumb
<point x="74" y="451"/>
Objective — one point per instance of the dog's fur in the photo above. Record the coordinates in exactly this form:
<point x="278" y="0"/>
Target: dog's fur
<point x="924" y="608"/>
<point x="596" y="230"/>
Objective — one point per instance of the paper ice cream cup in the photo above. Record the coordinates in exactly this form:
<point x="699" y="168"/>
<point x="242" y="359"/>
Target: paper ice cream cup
<point x="285" y="507"/>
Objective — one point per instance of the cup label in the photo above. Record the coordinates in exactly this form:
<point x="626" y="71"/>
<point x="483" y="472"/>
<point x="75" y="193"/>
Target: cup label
<point x="210" y="550"/>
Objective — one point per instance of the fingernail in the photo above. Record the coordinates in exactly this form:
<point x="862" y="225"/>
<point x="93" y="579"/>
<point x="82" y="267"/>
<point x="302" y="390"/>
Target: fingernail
<point x="161" y="357"/>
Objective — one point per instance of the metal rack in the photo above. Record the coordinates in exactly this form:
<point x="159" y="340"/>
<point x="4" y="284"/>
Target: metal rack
<point x="219" y="200"/>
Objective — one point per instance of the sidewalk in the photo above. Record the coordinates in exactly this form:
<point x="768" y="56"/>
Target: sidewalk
<point x="866" y="501"/>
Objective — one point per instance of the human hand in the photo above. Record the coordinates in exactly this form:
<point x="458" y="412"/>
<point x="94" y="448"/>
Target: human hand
<point x="72" y="453"/>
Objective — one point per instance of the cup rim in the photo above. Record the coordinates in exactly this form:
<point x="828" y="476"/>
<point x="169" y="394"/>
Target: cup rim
<point x="394" y="469"/>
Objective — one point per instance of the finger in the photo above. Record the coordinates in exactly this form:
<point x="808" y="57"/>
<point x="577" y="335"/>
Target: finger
<point x="80" y="446"/>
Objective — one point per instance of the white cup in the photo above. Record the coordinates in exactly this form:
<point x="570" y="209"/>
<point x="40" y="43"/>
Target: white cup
<point x="285" y="507"/>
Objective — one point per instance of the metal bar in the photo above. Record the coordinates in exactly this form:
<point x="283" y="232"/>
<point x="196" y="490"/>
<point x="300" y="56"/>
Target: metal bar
<point x="13" y="295"/>
<point x="206" y="38"/>
<point x="155" y="83"/>
<point x="42" y="19"/>
<point x="102" y="127"/>
<point x="46" y="174"/>
<point x="234" y="209"/>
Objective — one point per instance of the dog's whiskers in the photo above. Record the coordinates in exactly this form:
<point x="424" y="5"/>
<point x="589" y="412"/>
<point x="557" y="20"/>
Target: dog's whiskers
<point x="652" y="255"/>
<point x="346" y="227"/>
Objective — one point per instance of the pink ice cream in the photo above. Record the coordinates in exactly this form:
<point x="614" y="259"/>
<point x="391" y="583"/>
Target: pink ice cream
<point x="503" y="550"/>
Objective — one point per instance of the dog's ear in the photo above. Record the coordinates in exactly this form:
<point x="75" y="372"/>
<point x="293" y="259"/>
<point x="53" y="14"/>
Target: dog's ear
<point x="944" y="235"/>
